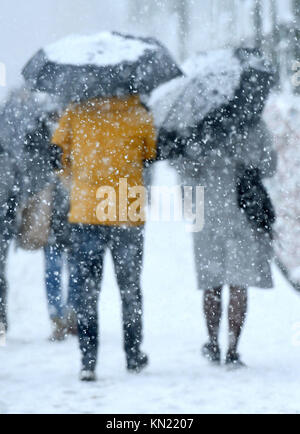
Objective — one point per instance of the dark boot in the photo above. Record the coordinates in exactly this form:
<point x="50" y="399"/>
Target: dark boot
<point x="136" y="362"/>
<point x="212" y="353"/>
<point x="233" y="361"/>
<point x="88" y="376"/>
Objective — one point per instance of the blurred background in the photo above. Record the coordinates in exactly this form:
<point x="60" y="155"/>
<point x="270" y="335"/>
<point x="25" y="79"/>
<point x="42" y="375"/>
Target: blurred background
<point x="186" y="27"/>
<point x="36" y="377"/>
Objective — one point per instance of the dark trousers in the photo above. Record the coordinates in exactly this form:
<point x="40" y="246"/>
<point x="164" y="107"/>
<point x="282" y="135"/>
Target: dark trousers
<point x="88" y="247"/>
<point x="54" y="260"/>
<point x="55" y="257"/>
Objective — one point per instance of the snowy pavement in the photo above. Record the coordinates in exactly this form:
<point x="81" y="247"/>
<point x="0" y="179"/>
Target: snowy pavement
<point x="39" y="377"/>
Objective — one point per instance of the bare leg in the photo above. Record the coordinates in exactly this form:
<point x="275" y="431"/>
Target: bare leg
<point x="237" y="316"/>
<point x="213" y="314"/>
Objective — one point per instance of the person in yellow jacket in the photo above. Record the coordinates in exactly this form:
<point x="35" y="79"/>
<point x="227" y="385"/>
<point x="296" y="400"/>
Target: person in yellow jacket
<point x="105" y="144"/>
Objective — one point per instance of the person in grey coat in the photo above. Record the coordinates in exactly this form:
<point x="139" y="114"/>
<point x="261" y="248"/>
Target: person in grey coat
<point x="230" y="250"/>
<point x="8" y="204"/>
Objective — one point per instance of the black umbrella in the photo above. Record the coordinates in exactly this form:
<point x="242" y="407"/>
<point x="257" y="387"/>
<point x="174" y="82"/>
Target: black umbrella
<point x="102" y="65"/>
<point x="225" y="87"/>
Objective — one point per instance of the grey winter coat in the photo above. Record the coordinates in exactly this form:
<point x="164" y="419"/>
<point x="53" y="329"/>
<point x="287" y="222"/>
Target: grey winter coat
<point x="229" y="250"/>
<point x="9" y="192"/>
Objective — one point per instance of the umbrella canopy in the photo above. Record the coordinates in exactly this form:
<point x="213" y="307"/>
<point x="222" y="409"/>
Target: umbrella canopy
<point x="102" y="65"/>
<point x="228" y="84"/>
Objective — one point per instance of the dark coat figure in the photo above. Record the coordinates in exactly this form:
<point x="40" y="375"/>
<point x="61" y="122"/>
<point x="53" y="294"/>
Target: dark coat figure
<point x="9" y="198"/>
<point x="25" y="164"/>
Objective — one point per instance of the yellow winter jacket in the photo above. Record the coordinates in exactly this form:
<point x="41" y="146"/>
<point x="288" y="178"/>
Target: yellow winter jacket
<point x="103" y="142"/>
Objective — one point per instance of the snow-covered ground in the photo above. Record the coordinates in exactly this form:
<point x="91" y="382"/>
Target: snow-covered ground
<point x="39" y="377"/>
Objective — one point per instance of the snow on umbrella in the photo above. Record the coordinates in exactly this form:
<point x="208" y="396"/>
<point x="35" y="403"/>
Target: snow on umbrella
<point x="102" y="65"/>
<point x="232" y="81"/>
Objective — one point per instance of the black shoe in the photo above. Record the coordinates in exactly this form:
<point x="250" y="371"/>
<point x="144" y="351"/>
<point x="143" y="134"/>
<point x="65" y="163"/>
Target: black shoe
<point x="87" y="376"/>
<point x="137" y="362"/>
<point x="233" y="361"/>
<point x="212" y="353"/>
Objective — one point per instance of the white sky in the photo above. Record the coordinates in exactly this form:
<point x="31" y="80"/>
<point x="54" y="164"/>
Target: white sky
<point x="27" y="25"/>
